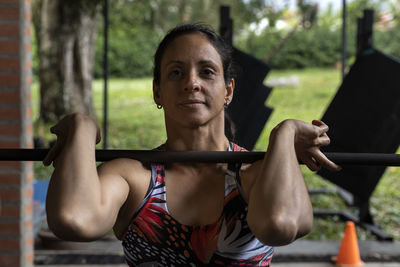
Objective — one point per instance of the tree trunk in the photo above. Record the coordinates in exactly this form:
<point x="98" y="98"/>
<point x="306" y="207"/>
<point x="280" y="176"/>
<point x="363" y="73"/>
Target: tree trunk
<point x="66" y="34"/>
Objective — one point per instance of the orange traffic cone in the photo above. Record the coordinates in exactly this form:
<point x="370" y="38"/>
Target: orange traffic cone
<point x="349" y="254"/>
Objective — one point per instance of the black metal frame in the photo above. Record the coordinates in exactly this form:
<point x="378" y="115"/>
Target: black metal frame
<point x="364" y="218"/>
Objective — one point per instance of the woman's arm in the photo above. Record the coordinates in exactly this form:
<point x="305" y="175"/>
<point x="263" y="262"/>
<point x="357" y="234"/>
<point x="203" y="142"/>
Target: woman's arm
<point x="81" y="204"/>
<point x="279" y="206"/>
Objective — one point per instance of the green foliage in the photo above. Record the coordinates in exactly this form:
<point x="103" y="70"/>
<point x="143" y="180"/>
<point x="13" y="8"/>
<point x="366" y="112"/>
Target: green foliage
<point x="388" y="41"/>
<point x="317" y="47"/>
<point x="137" y="26"/>
<point x="130" y="53"/>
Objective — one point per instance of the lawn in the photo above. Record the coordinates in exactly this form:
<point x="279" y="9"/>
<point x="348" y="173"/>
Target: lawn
<point x="136" y="123"/>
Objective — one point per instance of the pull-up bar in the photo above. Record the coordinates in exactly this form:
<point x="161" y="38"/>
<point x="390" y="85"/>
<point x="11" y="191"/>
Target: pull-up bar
<point x="201" y="156"/>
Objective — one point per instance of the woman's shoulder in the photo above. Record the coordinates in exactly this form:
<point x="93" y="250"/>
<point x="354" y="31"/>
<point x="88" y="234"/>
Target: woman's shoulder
<point x="132" y="171"/>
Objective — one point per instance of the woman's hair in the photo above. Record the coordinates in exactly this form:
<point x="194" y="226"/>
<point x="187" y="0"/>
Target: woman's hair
<point x="223" y="49"/>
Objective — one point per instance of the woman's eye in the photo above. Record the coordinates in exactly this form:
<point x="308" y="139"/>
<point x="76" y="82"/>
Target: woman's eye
<point x="208" y="72"/>
<point x="175" y="73"/>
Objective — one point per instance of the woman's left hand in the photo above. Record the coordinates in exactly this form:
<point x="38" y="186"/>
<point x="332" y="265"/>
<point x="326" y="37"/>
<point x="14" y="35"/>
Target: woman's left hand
<point x="308" y="140"/>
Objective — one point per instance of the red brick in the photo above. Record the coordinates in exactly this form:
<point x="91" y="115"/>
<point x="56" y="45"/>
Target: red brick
<point x="10" y="165"/>
<point x="10" y="97"/>
<point x="10" y="13"/>
<point x="28" y="113"/>
<point x="8" y="211"/>
<point x="28" y="80"/>
<point x="29" y="208"/>
<point x="9" y="30"/>
<point x="29" y="258"/>
<point x="28" y="96"/>
<point x="28" y="64"/>
<point x="28" y="226"/>
<point x="28" y="30"/>
<point x="9" y="244"/>
<point x="7" y="260"/>
<point x="9" y="144"/>
<point x="28" y="15"/>
<point x="10" y="194"/>
<point x="9" y="47"/>
<point x="29" y="144"/>
<point x="29" y="193"/>
<point x="10" y="179"/>
<point x="29" y="164"/>
<point x="29" y="177"/>
<point x="29" y="241"/>
<point x="9" y="80"/>
<point x="9" y="228"/>
<point x="9" y="1"/>
<point x="10" y="129"/>
<point x="29" y="128"/>
<point x="28" y="47"/>
<point x="9" y="63"/>
<point x="10" y="113"/>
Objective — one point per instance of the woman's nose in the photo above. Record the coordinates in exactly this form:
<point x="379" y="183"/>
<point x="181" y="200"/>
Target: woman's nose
<point x="192" y="82"/>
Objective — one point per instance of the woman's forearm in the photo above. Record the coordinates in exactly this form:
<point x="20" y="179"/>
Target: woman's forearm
<point x="74" y="193"/>
<point x="279" y="205"/>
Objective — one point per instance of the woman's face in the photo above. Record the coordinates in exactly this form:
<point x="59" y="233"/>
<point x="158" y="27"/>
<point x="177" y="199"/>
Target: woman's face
<point x="192" y="89"/>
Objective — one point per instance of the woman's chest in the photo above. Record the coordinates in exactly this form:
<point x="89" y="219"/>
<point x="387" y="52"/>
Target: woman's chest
<point x="195" y="199"/>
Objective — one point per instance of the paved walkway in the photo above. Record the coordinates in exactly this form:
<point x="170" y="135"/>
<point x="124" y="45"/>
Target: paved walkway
<point x="301" y="253"/>
<point x="286" y="264"/>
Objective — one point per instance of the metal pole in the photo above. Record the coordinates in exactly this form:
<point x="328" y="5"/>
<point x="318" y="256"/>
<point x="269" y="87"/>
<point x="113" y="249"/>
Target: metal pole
<point x="105" y="75"/>
<point x="344" y="40"/>
<point x="201" y="156"/>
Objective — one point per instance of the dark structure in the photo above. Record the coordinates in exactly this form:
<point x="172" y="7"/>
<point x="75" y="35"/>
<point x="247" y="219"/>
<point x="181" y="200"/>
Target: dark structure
<point x="365" y="114"/>
<point x="247" y="109"/>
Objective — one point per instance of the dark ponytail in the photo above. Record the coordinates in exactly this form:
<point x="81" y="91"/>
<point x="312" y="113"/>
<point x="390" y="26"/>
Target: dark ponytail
<point x="229" y="127"/>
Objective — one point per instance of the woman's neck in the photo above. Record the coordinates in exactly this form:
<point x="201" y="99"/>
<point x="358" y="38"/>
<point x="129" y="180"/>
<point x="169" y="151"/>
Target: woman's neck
<point x="198" y="139"/>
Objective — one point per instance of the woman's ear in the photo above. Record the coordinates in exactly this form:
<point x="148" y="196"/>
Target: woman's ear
<point x="230" y="87"/>
<point x="156" y="93"/>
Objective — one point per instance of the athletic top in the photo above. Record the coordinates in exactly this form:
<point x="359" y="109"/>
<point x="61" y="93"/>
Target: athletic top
<point x="155" y="238"/>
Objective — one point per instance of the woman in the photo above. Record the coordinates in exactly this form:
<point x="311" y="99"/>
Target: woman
<point x="187" y="214"/>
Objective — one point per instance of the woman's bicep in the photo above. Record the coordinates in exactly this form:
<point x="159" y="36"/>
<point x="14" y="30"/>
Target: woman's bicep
<point x="114" y="189"/>
<point x="248" y="176"/>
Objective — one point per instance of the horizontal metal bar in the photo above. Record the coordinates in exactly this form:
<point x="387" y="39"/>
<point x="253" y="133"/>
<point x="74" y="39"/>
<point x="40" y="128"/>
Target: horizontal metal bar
<point x="381" y="159"/>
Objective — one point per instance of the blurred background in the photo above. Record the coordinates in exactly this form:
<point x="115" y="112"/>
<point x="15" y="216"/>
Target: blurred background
<point x="301" y="41"/>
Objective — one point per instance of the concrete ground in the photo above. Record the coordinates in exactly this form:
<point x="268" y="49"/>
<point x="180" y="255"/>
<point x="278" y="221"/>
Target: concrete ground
<point x="307" y="264"/>
<point x="301" y="253"/>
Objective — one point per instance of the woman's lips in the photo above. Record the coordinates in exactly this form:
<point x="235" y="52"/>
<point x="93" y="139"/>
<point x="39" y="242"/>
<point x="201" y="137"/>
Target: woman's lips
<point x="192" y="103"/>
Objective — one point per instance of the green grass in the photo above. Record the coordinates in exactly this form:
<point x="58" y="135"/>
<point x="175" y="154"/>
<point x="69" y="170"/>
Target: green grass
<point x="136" y="123"/>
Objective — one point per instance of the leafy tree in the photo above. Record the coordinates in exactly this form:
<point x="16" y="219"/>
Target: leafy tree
<point x="65" y="34"/>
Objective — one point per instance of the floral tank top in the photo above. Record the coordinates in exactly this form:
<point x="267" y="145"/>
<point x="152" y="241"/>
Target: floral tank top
<point x="155" y="238"/>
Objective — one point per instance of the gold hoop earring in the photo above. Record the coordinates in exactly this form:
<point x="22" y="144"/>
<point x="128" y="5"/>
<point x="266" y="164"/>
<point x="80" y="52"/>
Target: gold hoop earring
<point x="226" y="104"/>
<point x="159" y="106"/>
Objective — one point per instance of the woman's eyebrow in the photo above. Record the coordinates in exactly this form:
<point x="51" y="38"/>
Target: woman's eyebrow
<point x="208" y="62"/>
<point x="201" y="62"/>
<point x="174" y="62"/>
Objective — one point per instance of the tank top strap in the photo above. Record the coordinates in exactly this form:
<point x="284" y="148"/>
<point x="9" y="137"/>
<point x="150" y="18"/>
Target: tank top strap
<point x="232" y="178"/>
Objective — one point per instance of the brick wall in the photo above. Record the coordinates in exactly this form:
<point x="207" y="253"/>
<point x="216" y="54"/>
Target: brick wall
<point x="16" y="190"/>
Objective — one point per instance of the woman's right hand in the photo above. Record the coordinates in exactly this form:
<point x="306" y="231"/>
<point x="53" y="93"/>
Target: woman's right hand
<point x="65" y="129"/>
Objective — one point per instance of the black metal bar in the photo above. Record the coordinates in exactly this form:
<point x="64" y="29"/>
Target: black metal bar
<point x="348" y="216"/>
<point x="105" y="75"/>
<point x="11" y="154"/>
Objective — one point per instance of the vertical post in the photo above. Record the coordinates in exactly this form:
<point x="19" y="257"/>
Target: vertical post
<point x="226" y="25"/>
<point x="364" y="31"/>
<point x="105" y="75"/>
<point x="344" y="39"/>
<point x="16" y="178"/>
